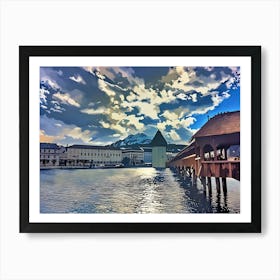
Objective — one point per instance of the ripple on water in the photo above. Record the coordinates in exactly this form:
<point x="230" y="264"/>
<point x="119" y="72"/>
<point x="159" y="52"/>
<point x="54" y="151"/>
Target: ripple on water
<point x="130" y="190"/>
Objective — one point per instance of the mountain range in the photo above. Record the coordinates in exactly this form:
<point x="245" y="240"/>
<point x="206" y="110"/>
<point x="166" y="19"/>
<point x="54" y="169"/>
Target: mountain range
<point x="133" y="140"/>
<point x="141" y="139"/>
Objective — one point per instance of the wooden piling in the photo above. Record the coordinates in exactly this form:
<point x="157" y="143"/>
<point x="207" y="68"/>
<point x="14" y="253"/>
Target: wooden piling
<point x="224" y="183"/>
<point x="209" y="184"/>
<point x="203" y="181"/>
<point x="218" y="185"/>
<point x="194" y="179"/>
<point x="185" y="173"/>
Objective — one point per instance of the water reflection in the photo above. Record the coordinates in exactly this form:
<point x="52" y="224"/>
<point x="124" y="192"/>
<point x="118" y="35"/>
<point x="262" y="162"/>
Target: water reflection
<point x="132" y="190"/>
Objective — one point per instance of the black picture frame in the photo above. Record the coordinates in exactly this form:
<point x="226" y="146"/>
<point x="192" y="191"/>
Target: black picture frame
<point x="254" y="52"/>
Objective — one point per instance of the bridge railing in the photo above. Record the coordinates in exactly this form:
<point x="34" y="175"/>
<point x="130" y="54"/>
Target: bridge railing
<point x="220" y="168"/>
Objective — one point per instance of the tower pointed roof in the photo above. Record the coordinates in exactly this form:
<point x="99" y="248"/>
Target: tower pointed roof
<point x="158" y="140"/>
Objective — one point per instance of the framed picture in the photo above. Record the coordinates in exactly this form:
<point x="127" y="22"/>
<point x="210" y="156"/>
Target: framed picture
<point x="140" y="138"/>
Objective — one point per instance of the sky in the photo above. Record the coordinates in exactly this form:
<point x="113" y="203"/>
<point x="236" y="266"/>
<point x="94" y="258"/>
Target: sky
<point x="101" y="105"/>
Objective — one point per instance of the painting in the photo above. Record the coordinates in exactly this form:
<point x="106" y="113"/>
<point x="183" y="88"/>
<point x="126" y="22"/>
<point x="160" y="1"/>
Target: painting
<point x="140" y="139"/>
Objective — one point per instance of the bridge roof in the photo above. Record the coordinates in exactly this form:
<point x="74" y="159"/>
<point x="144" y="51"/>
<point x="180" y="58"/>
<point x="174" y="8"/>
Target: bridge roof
<point x="188" y="150"/>
<point x="224" y="123"/>
<point x="76" y="146"/>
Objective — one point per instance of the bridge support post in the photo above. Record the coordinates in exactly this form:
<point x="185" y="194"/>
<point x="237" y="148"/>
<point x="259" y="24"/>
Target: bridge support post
<point x="185" y="173"/>
<point x="224" y="183"/>
<point x="203" y="181"/>
<point x="194" y="178"/>
<point x="209" y="184"/>
<point x="218" y="185"/>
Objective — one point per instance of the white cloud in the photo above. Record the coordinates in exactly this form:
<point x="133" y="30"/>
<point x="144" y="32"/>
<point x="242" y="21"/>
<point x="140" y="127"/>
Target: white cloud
<point x="135" y="121"/>
<point x="55" y="110"/>
<point x="90" y="111"/>
<point x="193" y="97"/>
<point x="182" y="96"/>
<point x="186" y="122"/>
<point x="99" y="75"/>
<point x="53" y="131"/>
<point x="175" y="120"/>
<point x="78" y="133"/>
<point x="105" y="124"/>
<point x="90" y="69"/>
<point x="118" y="116"/>
<point x="174" y="135"/>
<point x="161" y="126"/>
<point x="105" y="88"/>
<point x="167" y="96"/>
<point x="77" y="79"/>
<point x="172" y="116"/>
<point x="226" y="94"/>
<point x="147" y="101"/>
<point x="119" y="128"/>
<point x="115" y="126"/>
<point x="52" y="84"/>
<point x="127" y="73"/>
<point x="65" y="98"/>
<point x="178" y="78"/>
<point x="43" y="95"/>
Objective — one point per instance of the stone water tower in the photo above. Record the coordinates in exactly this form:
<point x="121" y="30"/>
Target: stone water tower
<point x="159" y="145"/>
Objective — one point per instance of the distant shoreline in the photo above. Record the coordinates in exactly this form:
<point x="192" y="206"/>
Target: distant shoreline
<point x="87" y="167"/>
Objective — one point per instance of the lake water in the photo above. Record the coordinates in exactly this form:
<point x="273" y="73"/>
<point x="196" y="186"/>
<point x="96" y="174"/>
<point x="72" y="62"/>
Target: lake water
<point x="131" y="190"/>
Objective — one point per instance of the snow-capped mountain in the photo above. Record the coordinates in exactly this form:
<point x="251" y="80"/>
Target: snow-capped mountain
<point x="137" y="139"/>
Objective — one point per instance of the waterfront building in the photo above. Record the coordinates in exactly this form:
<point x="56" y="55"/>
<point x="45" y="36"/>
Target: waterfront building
<point x="88" y="155"/>
<point x="147" y="154"/>
<point x="50" y="154"/>
<point x="134" y="156"/>
<point x="159" y="145"/>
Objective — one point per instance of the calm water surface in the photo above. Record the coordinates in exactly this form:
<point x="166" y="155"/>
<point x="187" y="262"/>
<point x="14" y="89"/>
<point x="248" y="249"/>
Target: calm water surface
<point x="131" y="190"/>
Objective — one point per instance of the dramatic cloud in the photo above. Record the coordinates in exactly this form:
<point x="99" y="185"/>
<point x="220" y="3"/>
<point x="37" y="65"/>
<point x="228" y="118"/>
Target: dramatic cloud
<point x="103" y="104"/>
<point x="58" y="131"/>
<point x="66" y="99"/>
<point x="77" y="79"/>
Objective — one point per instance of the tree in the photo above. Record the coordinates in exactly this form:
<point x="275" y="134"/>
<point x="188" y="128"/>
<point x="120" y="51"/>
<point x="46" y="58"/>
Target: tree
<point x="126" y="161"/>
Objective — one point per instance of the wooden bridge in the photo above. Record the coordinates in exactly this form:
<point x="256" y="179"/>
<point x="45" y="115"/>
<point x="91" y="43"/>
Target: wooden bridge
<point x="206" y="155"/>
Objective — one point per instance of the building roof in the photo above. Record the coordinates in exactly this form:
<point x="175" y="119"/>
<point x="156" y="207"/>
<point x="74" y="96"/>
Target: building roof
<point x="224" y="123"/>
<point x="48" y="146"/>
<point x="146" y="149"/>
<point x="158" y="140"/>
<point x="128" y="150"/>
<point x="92" y="147"/>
